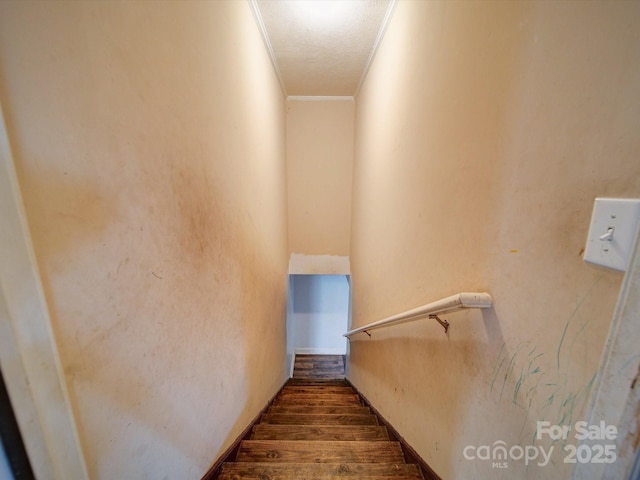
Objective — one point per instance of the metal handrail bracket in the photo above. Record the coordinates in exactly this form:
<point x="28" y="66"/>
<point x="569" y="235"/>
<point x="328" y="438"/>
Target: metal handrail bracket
<point x="459" y="301"/>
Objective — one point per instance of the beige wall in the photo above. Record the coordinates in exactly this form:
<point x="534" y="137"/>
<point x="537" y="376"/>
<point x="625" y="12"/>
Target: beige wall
<point x="149" y="142"/>
<point x="319" y="165"/>
<point x="483" y="133"/>
<point x="29" y="359"/>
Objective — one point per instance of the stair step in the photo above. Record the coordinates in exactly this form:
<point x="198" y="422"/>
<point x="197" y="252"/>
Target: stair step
<point x="319" y="367"/>
<point x="316" y="369"/>
<point x="321" y="375"/>
<point x="318" y="428"/>
<point x="321" y="409"/>
<point x="320" y="432"/>
<point x="327" y="471"/>
<point x="317" y="381"/>
<point x="316" y="389"/>
<point x="305" y="358"/>
<point x="310" y="365"/>
<point x="315" y="401"/>
<point x="338" y="398"/>
<point x="319" y="364"/>
<point x="302" y="451"/>
<point x="310" y="419"/>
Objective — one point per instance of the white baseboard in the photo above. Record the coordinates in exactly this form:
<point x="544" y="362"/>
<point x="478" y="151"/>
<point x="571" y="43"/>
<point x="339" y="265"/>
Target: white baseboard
<point x="319" y="351"/>
<point x="293" y="364"/>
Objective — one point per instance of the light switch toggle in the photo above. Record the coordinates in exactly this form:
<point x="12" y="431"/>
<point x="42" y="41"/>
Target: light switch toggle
<point x="608" y="237"/>
<point x="615" y="223"/>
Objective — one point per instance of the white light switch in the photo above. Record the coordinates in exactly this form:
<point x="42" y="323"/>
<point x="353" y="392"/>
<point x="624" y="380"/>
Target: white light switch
<point x="614" y="226"/>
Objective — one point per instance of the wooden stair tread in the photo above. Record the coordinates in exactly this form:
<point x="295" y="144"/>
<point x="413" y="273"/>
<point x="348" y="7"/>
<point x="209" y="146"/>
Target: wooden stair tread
<point x="318" y="394"/>
<point x="318" y="355"/>
<point x="316" y="389"/>
<point x="317" y="381"/>
<point x="324" y="471"/>
<point x="321" y="409"/>
<point x="311" y="419"/>
<point x="318" y="428"/>
<point x="301" y="357"/>
<point x="320" y="365"/>
<point x="303" y="451"/>
<point x="328" y="376"/>
<point x="320" y="432"/>
<point x="307" y="364"/>
<point x="339" y="397"/>
<point x="317" y="401"/>
<point x="313" y="367"/>
<point x="318" y="361"/>
<point x="318" y="372"/>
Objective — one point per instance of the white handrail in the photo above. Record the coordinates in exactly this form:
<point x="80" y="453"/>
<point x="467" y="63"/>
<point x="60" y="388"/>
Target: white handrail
<point x="459" y="301"/>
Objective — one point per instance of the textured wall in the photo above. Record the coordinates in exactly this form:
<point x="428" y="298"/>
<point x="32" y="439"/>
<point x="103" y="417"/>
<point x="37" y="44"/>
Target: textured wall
<point x="150" y="147"/>
<point x="484" y="130"/>
<point x="319" y="164"/>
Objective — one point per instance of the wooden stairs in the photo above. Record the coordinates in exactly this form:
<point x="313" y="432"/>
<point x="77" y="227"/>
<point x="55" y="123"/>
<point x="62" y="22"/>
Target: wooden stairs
<point x="318" y="428"/>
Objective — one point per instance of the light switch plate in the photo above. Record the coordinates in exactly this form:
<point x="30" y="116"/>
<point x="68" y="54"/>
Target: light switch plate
<point x="613" y="230"/>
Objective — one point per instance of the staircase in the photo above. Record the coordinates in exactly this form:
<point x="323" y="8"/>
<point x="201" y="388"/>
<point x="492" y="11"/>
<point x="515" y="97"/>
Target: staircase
<point x="318" y="428"/>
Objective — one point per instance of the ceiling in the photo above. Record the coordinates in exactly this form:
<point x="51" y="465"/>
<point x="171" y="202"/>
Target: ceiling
<point x="322" y="47"/>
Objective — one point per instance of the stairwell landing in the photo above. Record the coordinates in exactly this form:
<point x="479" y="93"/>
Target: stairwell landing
<point x="318" y="428"/>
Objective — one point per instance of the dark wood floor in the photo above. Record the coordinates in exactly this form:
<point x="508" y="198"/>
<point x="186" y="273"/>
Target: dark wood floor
<point x="318" y="428"/>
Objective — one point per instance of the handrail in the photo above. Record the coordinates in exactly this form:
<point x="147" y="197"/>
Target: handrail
<point x="459" y="301"/>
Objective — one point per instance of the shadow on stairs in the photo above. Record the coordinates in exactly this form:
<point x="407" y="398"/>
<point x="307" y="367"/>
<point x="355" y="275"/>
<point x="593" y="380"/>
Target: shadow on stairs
<point x="318" y="427"/>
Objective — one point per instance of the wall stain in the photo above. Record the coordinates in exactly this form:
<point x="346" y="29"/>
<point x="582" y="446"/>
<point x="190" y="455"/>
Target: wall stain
<point x="573" y="316"/>
<point x="528" y="376"/>
<point x="498" y="366"/>
<point x="521" y="369"/>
